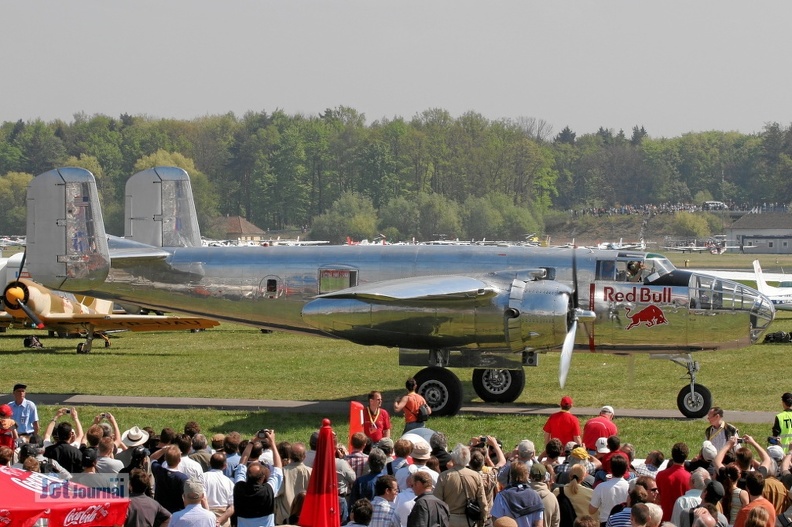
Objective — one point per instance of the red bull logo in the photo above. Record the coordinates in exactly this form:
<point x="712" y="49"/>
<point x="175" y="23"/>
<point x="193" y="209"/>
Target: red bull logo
<point x="650" y="315"/>
<point x="643" y="295"/>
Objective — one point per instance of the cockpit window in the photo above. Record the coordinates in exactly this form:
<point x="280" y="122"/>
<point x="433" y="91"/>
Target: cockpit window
<point x="656" y="263"/>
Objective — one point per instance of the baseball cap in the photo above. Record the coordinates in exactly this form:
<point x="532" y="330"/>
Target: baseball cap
<point x="566" y="401"/>
<point x="708" y="451"/>
<point x="538" y="469"/>
<point x="386" y="442"/>
<point x="608" y="409"/>
<point x="602" y="445"/>
<point x="193" y="489"/>
<point x="20" y="386"/>
<point x="569" y="447"/>
<point x="526" y="448"/>
<point x="5" y="411"/>
<point x="421" y="450"/>
<point x="776" y="452"/>
<point x="89" y="456"/>
<point x="579" y="453"/>
<point x="715" y="488"/>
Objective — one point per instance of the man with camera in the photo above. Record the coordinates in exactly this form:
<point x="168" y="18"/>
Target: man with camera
<point x="719" y="431"/>
<point x="256" y="486"/>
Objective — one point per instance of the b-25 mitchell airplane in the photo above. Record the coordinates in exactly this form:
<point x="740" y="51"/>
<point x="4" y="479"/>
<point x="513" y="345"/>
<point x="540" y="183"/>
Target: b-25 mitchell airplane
<point x="494" y="309"/>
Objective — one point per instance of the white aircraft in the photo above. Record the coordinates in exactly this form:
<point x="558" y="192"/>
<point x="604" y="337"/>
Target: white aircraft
<point x="781" y="297"/>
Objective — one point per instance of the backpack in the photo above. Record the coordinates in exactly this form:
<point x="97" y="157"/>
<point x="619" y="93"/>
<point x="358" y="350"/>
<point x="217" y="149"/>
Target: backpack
<point x="423" y="413"/>
<point x="566" y="509"/>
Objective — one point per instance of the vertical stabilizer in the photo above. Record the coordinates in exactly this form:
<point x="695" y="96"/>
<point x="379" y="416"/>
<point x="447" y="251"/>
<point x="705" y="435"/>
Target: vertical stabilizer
<point x="761" y="285"/>
<point x="160" y="210"/>
<point x="66" y="240"/>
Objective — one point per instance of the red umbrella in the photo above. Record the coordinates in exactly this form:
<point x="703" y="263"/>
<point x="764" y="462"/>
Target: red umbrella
<point x="27" y="496"/>
<point x="320" y="508"/>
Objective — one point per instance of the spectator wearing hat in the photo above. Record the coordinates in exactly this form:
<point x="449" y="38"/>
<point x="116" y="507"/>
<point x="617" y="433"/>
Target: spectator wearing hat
<point x="562" y="425"/>
<point x="131" y="438"/>
<point x="705" y="459"/>
<point x="538" y="477"/>
<point x="25" y="413"/>
<point x="193" y="515"/>
<point x="673" y="481"/>
<point x="421" y="453"/>
<point x="782" y="427"/>
<point x="524" y="453"/>
<point x="599" y="426"/>
<point x="8" y="433"/>
<point x="386" y="445"/>
<point x="376" y="420"/>
<point x="719" y="431"/>
<point x="518" y="500"/>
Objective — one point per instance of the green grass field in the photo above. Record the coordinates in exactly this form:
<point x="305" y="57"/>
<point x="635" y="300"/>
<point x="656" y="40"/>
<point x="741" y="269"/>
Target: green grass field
<point x="240" y="362"/>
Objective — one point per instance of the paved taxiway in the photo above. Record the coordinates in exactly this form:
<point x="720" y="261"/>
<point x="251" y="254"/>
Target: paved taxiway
<point x="341" y="407"/>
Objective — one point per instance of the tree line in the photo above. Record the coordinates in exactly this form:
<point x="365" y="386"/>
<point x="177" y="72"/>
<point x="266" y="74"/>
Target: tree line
<point x="431" y="175"/>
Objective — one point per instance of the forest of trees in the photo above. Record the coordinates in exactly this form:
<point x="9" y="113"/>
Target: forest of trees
<point x="466" y="177"/>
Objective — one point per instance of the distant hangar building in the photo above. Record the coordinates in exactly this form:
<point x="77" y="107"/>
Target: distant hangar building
<point x="769" y="233"/>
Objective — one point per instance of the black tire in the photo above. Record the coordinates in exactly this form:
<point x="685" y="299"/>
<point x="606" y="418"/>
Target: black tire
<point x="80" y="347"/>
<point x="441" y="389"/>
<point x="694" y="405"/>
<point x="498" y="386"/>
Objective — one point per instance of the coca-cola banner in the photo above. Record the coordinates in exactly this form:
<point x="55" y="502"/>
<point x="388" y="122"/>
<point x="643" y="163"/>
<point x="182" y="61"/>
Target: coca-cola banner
<point x="25" y="497"/>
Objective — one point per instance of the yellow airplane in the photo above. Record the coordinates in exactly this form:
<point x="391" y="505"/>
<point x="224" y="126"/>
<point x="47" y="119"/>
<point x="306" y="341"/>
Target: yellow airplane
<point x="26" y="301"/>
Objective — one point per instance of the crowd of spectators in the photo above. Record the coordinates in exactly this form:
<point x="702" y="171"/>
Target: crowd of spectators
<point x="583" y="476"/>
<point x="651" y="209"/>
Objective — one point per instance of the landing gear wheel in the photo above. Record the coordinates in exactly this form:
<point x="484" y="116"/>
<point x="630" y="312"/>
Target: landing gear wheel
<point x="696" y="404"/>
<point x="498" y="386"/>
<point x="441" y="389"/>
<point x="80" y="347"/>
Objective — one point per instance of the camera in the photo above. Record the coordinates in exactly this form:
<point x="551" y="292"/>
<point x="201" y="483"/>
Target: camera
<point x="772" y="441"/>
<point x="68" y="410"/>
<point x="263" y="432"/>
<point x="740" y="440"/>
<point x="102" y="415"/>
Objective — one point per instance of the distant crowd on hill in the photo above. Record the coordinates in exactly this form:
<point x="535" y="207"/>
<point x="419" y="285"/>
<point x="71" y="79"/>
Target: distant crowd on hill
<point x="672" y="208"/>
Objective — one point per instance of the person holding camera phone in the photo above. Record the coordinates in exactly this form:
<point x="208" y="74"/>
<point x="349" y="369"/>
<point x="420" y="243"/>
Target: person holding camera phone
<point x="76" y="427"/>
<point x="256" y="486"/>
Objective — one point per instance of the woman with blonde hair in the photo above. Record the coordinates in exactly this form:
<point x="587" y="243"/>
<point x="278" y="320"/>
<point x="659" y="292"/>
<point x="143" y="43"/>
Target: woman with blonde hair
<point x="578" y="494"/>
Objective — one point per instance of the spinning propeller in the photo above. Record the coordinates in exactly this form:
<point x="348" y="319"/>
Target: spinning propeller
<point x="17" y="294"/>
<point x="574" y="315"/>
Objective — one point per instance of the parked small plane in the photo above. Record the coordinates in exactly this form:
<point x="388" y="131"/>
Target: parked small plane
<point x="491" y="308"/>
<point x="781" y="297"/>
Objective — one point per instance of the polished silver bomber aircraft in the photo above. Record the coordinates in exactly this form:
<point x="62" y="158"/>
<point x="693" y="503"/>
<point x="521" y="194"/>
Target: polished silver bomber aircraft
<point x="493" y="309"/>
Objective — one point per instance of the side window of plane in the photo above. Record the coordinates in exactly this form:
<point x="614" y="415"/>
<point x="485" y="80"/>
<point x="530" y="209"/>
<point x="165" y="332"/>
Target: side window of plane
<point x="336" y="279"/>
<point x="606" y="270"/>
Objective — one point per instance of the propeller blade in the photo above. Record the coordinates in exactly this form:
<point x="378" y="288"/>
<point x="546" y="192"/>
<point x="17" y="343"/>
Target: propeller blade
<point x="32" y="316"/>
<point x="575" y="301"/>
<point x="566" y="354"/>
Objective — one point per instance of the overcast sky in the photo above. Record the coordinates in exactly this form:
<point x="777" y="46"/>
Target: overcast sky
<point x="672" y="66"/>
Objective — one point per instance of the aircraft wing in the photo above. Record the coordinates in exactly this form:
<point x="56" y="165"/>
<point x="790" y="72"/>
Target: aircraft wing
<point x="425" y="288"/>
<point x="128" y="322"/>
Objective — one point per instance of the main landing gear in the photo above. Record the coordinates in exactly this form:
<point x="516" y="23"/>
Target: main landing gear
<point x="442" y="389"/>
<point x="695" y="400"/>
